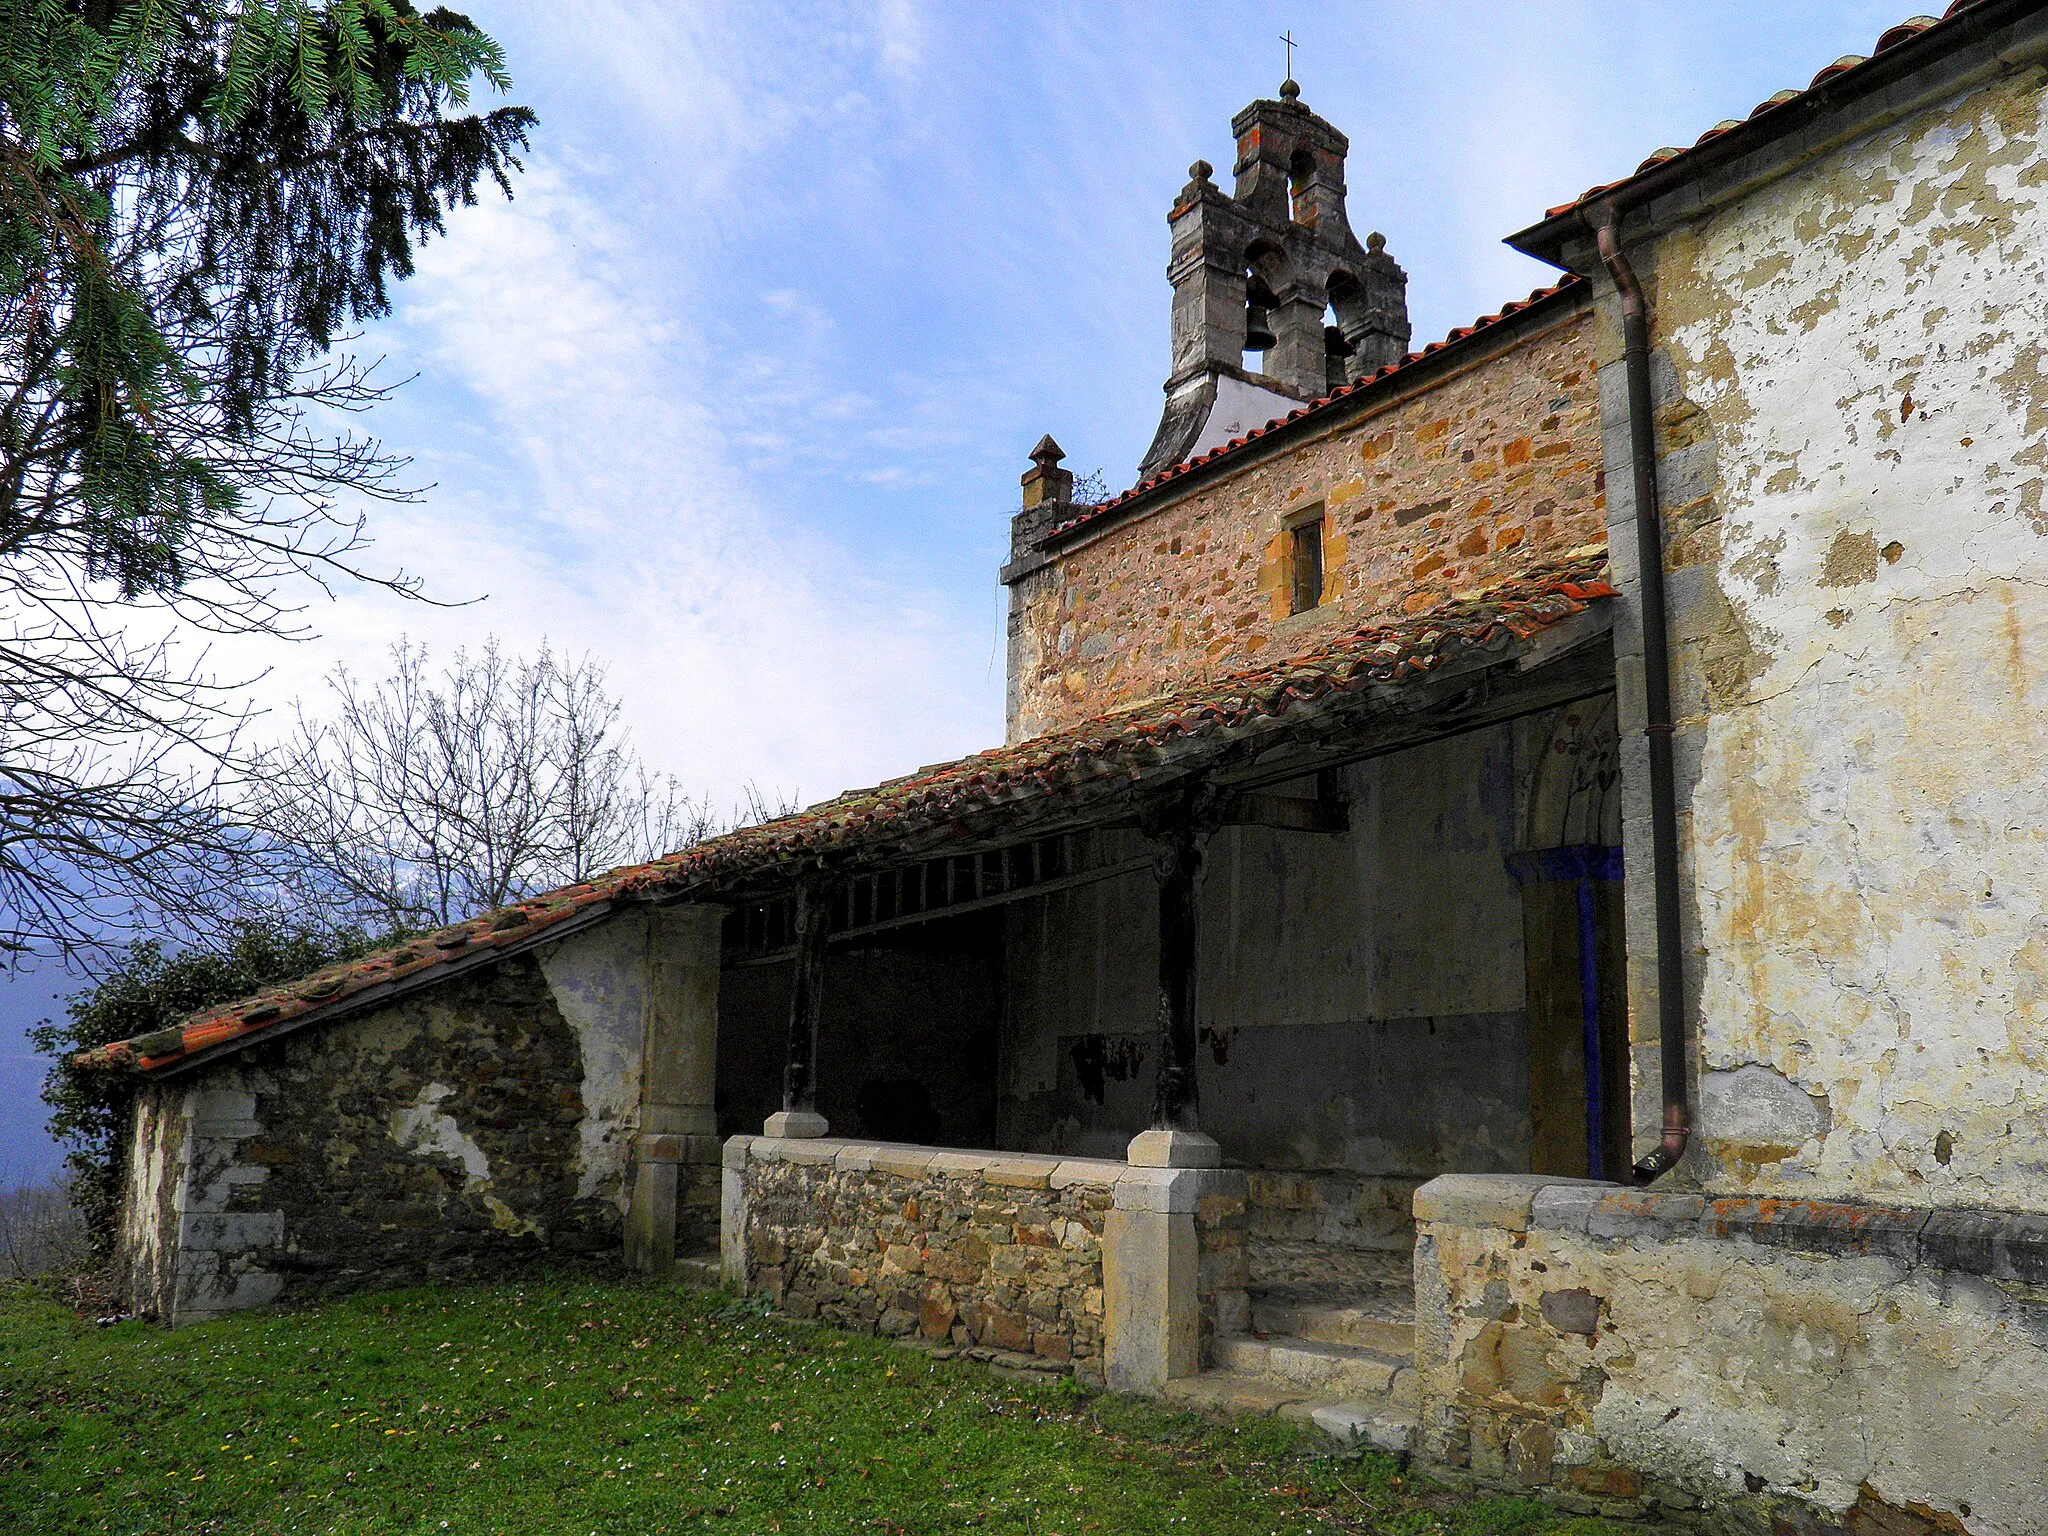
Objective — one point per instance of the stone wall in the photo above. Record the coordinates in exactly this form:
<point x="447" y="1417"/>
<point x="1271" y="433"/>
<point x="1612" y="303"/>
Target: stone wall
<point x="1800" y="1368"/>
<point x="1442" y="489"/>
<point x="473" y="1124"/>
<point x="978" y="1249"/>
<point x="1852" y="417"/>
<point x="1119" y="1274"/>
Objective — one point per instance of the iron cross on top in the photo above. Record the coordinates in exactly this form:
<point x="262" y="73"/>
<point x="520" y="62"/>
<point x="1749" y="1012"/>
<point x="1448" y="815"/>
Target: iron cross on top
<point x="1287" y="37"/>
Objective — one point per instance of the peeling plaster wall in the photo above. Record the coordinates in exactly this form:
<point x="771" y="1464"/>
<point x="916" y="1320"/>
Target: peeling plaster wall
<point x="1853" y="422"/>
<point x="1361" y="997"/>
<point x="598" y="979"/>
<point x="476" y="1123"/>
<point x="1445" y="489"/>
<point x="1632" y="1354"/>
<point x="149" y="1213"/>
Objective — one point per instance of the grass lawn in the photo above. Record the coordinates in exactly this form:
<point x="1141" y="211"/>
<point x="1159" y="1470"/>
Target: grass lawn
<point x="578" y="1403"/>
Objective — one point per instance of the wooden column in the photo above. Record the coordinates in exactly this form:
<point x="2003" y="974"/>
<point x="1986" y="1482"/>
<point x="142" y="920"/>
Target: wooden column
<point x="1175" y="1100"/>
<point x="799" y="1114"/>
<point x="1175" y="1139"/>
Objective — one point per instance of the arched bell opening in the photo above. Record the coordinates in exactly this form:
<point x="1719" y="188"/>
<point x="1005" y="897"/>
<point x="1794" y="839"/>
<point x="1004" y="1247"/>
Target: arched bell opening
<point x="1344" y="325"/>
<point x="1265" y="268"/>
<point x="1301" y="198"/>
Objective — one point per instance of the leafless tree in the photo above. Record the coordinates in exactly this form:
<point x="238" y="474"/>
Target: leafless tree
<point x="1092" y="489"/>
<point x="42" y="1232"/>
<point x="195" y="222"/>
<point x="428" y="797"/>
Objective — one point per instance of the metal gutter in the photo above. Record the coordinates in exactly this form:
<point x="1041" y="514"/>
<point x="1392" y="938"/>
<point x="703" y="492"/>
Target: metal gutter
<point x="1642" y="430"/>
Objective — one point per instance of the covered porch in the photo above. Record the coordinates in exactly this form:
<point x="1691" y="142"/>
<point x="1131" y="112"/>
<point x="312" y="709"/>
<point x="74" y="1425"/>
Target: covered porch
<point x="1207" y="989"/>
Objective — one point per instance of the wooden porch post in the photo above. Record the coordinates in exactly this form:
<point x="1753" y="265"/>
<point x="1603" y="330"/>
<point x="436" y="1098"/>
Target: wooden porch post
<point x="1175" y="1101"/>
<point x="1175" y="1139"/>
<point x="799" y="1114"/>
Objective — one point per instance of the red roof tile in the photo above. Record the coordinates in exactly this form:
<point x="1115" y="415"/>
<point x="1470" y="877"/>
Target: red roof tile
<point x="1513" y="307"/>
<point x="1903" y="32"/>
<point x="1056" y="775"/>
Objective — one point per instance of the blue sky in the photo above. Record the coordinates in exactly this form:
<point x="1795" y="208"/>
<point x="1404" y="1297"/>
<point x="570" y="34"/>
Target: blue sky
<point x="735" y="394"/>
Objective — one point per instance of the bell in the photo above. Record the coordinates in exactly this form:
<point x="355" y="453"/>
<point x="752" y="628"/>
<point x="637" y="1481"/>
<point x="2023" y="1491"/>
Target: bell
<point x="1258" y="329"/>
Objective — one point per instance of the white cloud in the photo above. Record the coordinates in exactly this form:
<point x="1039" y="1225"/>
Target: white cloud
<point x="609" y="515"/>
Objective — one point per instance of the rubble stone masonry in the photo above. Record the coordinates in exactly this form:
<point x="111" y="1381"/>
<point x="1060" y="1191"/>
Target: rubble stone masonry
<point x="982" y="1250"/>
<point x="1443" y="488"/>
<point x="998" y="1253"/>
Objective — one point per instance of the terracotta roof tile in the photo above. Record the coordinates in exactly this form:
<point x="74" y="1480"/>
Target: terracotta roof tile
<point x="1906" y="30"/>
<point x="1513" y="307"/>
<point x="1059" y="770"/>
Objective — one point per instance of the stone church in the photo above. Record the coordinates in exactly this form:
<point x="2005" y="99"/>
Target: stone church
<point x="1511" y="919"/>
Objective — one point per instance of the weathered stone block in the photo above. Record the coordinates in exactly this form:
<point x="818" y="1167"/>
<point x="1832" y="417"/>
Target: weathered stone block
<point x="903" y="1162"/>
<point x="1021" y="1172"/>
<point x="1623" y="1214"/>
<point x="1099" y="1173"/>
<point x="1574" y="1311"/>
<point x="1152" y="1312"/>
<point x="1169" y="1190"/>
<point x="1483" y="1199"/>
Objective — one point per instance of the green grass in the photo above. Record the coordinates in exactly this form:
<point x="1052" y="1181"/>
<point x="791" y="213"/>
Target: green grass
<point x="576" y="1403"/>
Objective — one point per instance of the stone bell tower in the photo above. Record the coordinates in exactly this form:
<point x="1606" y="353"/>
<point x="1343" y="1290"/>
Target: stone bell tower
<point x="1255" y="275"/>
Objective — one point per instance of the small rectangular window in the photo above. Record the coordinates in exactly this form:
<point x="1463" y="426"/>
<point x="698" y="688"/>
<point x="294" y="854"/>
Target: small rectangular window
<point x="1307" y="563"/>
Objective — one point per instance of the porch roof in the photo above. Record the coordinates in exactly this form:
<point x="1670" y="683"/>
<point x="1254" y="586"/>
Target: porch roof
<point x="1066" y="778"/>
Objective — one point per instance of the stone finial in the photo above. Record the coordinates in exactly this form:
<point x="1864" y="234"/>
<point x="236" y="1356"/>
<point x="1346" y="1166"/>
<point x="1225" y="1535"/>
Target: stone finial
<point x="1289" y="91"/>
<point x="1045" y="480"/>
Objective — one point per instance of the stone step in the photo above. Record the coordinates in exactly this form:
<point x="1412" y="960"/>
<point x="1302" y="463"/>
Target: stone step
<point x="1237" y="1392"/>
<point x="1377" y="1422"/>
<point x="1383" y="1321"/>
<point x="703" y="1270"/>
<point x="1337" y="1372"/>
<point x="1383" y="1426"/>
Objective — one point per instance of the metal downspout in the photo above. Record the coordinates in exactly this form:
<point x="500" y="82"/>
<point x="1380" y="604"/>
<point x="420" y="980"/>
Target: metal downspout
<point x="1656" y="699"/>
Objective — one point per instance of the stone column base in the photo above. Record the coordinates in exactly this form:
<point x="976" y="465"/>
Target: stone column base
<point x="1174" y="1149"/>
<point x="665" y="1166"/>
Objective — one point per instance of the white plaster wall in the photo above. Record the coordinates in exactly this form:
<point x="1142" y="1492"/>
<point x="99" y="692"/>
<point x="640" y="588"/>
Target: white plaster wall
<point x="599" y="981"/>
<point x="1238" y="409"/>
<point x="1745" y="1376"/>
<point x="1869" y="827"/>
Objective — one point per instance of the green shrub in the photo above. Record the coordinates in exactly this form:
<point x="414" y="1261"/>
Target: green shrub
<point x="150" y="990"/>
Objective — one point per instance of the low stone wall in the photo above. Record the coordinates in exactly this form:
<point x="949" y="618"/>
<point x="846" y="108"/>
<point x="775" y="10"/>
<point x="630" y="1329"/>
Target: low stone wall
<point x="1117" y="1273"/>
<point x="975" y="1248"/>
<point x="1798" y="1368"/>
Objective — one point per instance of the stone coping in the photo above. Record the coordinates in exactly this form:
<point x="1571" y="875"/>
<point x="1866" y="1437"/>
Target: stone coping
<point x="1997" y="1245"/>
<point x="1173" y="1190"/>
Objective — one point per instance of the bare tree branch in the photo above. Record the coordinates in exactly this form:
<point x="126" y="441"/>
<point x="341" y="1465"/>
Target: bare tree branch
<point x="427" y="797"/>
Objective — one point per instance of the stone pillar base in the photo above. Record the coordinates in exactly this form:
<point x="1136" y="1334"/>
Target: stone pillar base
<point x="1174" y="1149"/>
<point x="663" y="1177"/>
<point x="796" y="1123"/>
<point x="1152" y="1318"/>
